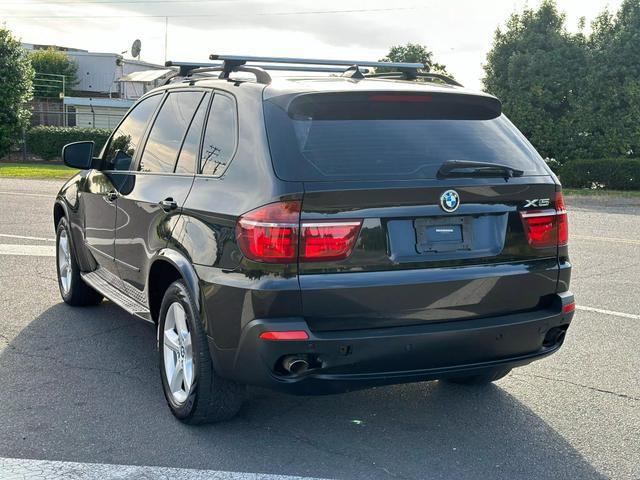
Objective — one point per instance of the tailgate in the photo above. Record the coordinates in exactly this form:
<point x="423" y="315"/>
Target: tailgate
<point x="413" y="262"/>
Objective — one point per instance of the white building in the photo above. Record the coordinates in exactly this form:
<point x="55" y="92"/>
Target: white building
<point x="87" y="112"/>
<point x="107" y="85"/>
<point x="107" y="74"/>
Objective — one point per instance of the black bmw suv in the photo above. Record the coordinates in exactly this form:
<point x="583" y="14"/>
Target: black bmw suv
<point x="319" y="233"/>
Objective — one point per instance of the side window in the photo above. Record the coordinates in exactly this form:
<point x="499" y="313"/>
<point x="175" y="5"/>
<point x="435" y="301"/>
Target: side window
<point x="220" y="136"/>
<point x="124" y="141"/>
<point x="168" y="130"/>
<point x="188" y="158"/>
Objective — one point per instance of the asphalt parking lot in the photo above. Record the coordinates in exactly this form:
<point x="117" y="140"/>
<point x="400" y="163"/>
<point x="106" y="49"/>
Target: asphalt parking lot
<point x="82" y="385"/>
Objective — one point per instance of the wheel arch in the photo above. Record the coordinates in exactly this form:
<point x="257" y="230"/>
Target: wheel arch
<point x="167" y="267"/>
<point x="59" y="211"/>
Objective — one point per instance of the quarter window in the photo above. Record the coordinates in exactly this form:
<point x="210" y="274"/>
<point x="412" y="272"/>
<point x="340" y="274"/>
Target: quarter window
<point x="220" y="136"/>
<point x="168" y="131"/>
<point x="125" y="140"/>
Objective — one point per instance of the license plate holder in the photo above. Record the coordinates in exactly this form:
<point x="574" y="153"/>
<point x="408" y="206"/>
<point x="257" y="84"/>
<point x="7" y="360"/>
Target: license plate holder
<point x="449" y="234"/>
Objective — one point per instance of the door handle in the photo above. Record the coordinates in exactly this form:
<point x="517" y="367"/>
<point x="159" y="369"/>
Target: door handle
<point x="168" y="204"/>
<point x="112" y="196"/>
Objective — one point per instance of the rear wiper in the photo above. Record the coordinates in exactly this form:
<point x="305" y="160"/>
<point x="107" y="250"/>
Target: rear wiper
<point x="461" y="168"/>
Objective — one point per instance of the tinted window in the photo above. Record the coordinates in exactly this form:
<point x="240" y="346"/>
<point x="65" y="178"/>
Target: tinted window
<point x="188" y="159"/>
<point x="383" y="137"/>
<point x="220" y="136"/>
<point x="126" y="138"/>
<point x="168" y="130"/>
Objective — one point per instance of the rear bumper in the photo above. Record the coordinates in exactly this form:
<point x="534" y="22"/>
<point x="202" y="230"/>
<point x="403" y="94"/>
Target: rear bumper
<point x="354" y="359"/>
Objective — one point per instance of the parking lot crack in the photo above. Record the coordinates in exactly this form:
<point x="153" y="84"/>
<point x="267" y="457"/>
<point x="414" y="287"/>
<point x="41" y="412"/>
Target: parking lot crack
<point x="580" y="385"/>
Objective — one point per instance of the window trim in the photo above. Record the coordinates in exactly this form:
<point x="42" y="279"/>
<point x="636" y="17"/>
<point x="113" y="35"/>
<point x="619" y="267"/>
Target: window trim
<point x="202" y="129"/>
<point x="144" y="133"/>
<point x="233" y="99"/>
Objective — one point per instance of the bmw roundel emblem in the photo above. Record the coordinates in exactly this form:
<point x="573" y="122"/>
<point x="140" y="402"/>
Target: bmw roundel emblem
<point x="450" y="201"/>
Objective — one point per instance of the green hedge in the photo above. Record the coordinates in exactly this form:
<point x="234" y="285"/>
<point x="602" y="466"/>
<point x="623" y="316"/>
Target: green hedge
<point x="47" y="142"/>
<point x="610" y="173"/>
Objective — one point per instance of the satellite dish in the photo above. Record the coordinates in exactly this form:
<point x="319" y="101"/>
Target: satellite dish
<point x="135" y="48"/>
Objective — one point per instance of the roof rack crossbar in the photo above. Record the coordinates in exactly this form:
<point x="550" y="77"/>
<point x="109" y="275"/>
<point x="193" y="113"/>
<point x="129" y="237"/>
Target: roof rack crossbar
<point x="235" y="59"/>
<point x="184" y="68"/>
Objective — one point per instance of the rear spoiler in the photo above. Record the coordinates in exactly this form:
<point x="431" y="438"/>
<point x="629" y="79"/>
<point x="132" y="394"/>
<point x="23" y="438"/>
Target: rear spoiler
<point x="389" y="105"/>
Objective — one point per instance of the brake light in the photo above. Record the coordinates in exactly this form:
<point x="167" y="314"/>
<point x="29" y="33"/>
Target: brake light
<point x="325" y="241"/>
<point x="270" y="233"/>
<point x="547" y="228"/>
<point x="401" y="98"/>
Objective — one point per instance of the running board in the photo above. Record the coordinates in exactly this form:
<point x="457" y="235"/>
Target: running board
<point x="103" y="281"/>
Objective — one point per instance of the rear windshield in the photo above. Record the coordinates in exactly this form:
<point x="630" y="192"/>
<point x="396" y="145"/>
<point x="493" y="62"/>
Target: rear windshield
<point x="372" y="136"/>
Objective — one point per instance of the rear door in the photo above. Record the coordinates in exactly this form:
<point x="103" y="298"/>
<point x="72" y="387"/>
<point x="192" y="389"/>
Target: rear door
<point x="430" y="247"/>
<point x="153" y="192"/>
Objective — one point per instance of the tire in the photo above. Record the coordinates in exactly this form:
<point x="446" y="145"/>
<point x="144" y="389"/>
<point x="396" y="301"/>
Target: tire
<point x="484" y="378"/>
<point x="73" y="290"/>
<point x="200" y="395"/>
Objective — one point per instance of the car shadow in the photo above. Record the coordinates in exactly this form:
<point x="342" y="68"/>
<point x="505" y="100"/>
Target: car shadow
<point x="82" y="384"/>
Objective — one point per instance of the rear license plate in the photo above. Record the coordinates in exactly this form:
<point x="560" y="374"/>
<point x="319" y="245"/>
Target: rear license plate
<point x="434" y="235"/>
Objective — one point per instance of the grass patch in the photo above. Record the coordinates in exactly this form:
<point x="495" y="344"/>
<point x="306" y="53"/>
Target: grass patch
<point x="25" y="170"/>
<point x="586" y="192"/>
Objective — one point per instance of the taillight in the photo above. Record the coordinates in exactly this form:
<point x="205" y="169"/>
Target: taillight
<point x="547" y="228"/>
<point x="563" y="220"/>
<point x="274" y="234"/>
<point x="270" y="233"/>
<point x="325" y="241"/>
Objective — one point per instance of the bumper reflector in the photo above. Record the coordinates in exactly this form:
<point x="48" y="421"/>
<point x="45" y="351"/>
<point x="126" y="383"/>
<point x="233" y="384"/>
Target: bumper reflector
<point x="569" y="307"/>
<point x="289" y="335"/>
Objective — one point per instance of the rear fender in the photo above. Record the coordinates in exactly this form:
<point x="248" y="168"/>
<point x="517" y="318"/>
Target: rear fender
<point x="186" y="270"/>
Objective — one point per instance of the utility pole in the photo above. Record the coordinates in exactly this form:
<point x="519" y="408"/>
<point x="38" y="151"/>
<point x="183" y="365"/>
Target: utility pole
<point x="166" y="34"/>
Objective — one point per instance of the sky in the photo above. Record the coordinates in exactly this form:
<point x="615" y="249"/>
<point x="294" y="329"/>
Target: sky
<point x="459" y="32"/>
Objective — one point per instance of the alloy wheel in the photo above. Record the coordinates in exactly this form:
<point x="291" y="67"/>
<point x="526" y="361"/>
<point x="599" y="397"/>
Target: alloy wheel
<point x="178" y="352"/>
<point x="64" y="262"/>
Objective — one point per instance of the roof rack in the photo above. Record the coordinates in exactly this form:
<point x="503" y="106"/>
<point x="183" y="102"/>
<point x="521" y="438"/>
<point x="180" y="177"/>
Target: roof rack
<point x="241" y="60"/>
<point x="188" y="68"/>
<point x="355" y="69"/>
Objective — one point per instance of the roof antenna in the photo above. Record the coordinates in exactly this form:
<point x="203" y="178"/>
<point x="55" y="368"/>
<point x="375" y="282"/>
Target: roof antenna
<point x="353" y="72"/>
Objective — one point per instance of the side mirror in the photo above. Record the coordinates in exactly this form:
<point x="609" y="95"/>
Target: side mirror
<point x="78" y="154"/>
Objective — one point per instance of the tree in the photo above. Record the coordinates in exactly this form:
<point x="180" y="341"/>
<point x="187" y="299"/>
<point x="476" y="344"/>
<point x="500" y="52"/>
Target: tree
<point x="537" y="69"/>
<point x="16" y="76"/>
<point x="49" y="65"/>
<point x="610" y="112"/>
<point x="414" y="53"/>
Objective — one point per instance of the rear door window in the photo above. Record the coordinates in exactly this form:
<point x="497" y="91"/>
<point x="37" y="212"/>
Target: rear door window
<point x="168" y="131"/>
<point x="390" y="136"/>
<point x="220" y="137"/>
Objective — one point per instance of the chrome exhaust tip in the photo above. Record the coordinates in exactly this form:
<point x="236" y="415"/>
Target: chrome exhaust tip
<point x="295" y="365"/>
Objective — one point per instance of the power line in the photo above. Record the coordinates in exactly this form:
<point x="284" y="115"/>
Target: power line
<point x="261" y="14"/>
<point x="114" y="2"/>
